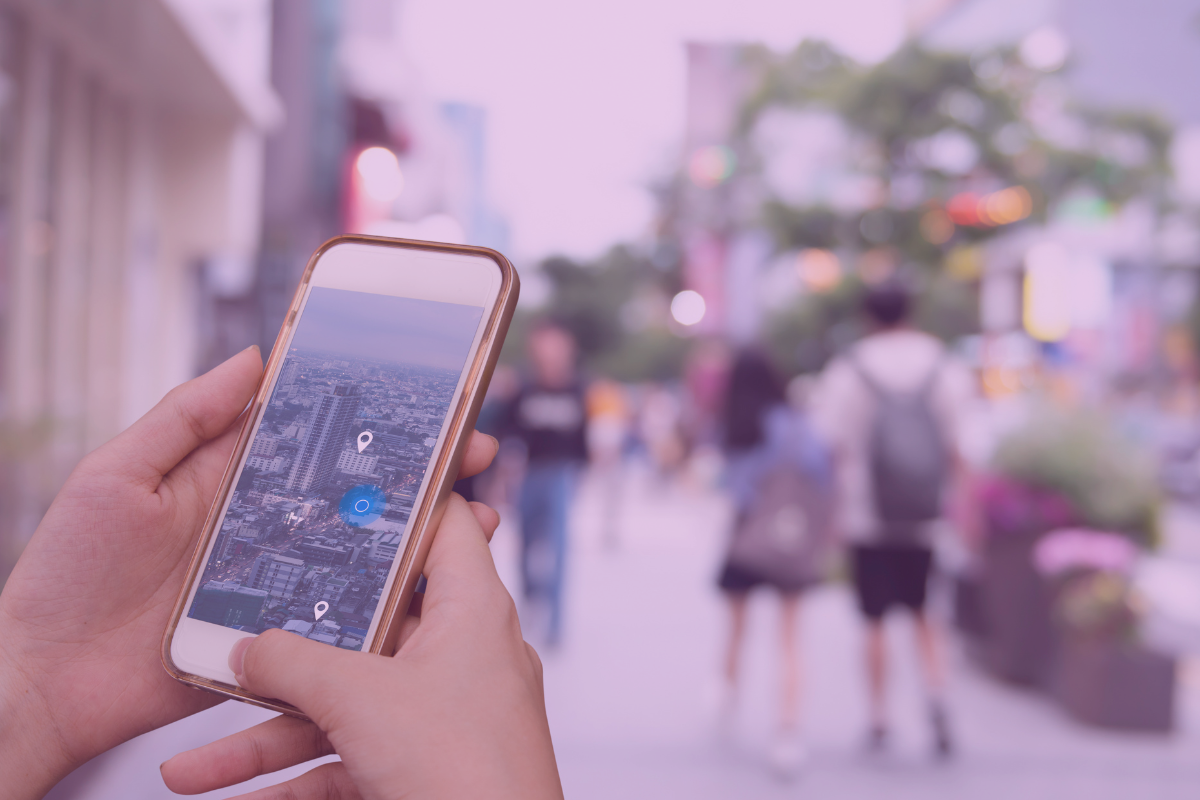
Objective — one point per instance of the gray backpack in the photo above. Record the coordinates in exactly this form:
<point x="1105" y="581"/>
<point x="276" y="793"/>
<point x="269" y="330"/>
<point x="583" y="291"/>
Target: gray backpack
<point x="907" y="457"/>
<point x="785" y="535"/>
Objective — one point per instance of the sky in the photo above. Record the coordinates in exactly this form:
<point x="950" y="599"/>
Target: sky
<point x="378" y="327"/>
<point x="585" y="101"/>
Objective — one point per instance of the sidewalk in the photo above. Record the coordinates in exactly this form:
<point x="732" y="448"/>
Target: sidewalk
<point x="627" y="692"/>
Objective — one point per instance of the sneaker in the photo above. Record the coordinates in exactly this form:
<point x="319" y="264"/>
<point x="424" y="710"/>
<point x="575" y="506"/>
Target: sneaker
<point x="943" y="743"/>
<point x="788" y="755"/>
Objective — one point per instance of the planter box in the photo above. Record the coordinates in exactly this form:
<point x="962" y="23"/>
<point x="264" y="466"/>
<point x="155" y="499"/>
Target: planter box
<point x="1020" y="637"/>
<point x="1117" y="686"/>
<point x="969" y="616"/>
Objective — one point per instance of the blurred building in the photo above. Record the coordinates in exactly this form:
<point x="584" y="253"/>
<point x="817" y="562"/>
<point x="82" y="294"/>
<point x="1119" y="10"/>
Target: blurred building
<point x="715" y="203"/>
<point x="131" y="136"/>
<point x="347" y="86"/>
<point x="167" y="167"/>
<point x="1130" y="272"/>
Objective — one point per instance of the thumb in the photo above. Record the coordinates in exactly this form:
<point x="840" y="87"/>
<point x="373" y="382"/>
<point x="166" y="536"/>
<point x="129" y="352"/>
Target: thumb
<point x="309" y="675"/>
<point x="191" y="414"/>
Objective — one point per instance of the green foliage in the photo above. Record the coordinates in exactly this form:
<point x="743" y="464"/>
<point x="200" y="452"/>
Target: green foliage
<point x="652" y="354"/>
<point x="1099" y="605"/>
<point x="804" y="336"/>
<point x="593" y="299"/>
<point x="1108" y="479"/>
<point x="1025" y="134"/>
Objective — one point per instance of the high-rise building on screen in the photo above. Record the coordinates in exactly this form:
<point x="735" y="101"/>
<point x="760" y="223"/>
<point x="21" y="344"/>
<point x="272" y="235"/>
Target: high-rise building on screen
<point x="326" y="437"/>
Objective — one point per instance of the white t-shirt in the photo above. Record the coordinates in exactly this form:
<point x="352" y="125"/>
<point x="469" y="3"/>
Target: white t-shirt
<point x="898" y="360"/>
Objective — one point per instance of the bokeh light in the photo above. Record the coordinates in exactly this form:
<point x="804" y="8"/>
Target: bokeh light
<point x="1006" y="206"/>
<point x="1045" y="49"/>
<point x="877" y="265"/>
<point x="688" y="307"/>
<point x="380" y="173"/>
<point x="711" y="166"/>
<point x="1048" y="307"/>
<point x="819" y="269"/>
<point x="936" y="226"/>
<point x="1003" y="207"/>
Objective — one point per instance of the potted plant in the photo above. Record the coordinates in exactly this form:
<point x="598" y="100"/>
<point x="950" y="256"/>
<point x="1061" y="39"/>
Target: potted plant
<point x="1060" y="469"/>
<point x="1104" y="674"/>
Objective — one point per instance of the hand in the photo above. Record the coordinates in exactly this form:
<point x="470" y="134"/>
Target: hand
<point x="457" y="712"/>
<point x="82" y="616"/>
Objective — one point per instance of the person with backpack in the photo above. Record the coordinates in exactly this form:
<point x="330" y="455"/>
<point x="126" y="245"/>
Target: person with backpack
<point x="890" y="408"/>
<point x="779" y="476"/>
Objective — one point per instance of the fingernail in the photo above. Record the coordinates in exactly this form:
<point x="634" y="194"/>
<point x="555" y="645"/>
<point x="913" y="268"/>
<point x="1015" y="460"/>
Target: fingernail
<point x="237" y="655"/>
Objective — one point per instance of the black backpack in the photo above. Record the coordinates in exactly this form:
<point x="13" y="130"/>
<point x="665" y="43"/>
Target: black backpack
<point x="907" y="457"/>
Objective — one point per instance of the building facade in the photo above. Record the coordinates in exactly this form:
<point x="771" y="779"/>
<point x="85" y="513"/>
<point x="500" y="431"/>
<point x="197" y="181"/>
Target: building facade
<point x="276" y="575"/>
<point x="130" y="146"/>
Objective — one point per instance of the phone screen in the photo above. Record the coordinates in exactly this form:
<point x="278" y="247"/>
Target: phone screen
<point x="321" y="504"/>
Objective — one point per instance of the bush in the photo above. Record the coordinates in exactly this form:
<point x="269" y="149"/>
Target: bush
<point x="1108" y="480"/>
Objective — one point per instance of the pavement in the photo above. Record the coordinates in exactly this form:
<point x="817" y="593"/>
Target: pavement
<point x="631" y="691"/>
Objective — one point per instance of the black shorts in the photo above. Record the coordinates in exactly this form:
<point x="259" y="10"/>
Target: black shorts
<point x="890" y="575"/>
<point x="737" y="580"/>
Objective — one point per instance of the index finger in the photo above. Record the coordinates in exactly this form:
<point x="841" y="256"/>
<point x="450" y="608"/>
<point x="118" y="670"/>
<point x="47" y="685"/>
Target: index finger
<point x="460" y="566"/>
<point x="481" y="449"/>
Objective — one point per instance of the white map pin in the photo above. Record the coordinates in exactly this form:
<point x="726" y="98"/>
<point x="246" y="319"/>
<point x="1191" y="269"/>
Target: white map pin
<point x="364" y="439"/>
<point x="320" y="608"/>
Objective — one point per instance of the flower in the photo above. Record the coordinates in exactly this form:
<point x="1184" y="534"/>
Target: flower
<point x="1071" y="549"/>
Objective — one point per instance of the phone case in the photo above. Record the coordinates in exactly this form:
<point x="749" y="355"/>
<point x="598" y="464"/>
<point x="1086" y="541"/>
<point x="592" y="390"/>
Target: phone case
<point x="443" y="470"/>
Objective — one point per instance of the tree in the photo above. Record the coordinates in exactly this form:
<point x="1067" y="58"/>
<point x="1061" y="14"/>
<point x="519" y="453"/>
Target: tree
<point x="961" y="150"/>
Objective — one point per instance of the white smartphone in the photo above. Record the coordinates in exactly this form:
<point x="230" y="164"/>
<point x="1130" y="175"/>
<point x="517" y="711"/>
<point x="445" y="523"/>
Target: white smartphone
<point x="347" y="456"/>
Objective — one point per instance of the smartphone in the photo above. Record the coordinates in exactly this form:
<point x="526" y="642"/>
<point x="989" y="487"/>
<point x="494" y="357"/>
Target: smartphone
<point x="347" y="455"/>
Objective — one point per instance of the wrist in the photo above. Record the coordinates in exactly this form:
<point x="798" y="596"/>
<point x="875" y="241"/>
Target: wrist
<point x="32" y="756"/>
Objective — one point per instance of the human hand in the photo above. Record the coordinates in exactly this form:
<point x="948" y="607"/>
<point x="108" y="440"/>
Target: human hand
<point x="457" y="712"/>
<point x="82" y="616"/>
<point x="83" y="613"/>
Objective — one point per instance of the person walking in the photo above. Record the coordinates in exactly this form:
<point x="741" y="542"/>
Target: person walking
<point x="779" y="478"/>
<point x="548" y="415"/>
<point x="890" y="407"/>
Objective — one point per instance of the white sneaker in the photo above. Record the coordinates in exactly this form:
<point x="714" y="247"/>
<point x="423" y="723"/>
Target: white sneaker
<point x="788" y="755"/>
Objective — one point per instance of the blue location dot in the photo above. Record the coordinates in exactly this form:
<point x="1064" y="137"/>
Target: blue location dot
<point x="362" y="505"/>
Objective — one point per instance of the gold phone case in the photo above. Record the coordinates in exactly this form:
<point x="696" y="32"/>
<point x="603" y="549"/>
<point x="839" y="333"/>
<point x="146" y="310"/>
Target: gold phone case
<point x="444" y="469"/>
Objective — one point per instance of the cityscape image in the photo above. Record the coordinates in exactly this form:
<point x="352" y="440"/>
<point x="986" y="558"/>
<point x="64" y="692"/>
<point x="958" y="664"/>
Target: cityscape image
<point x="319" y="511"/>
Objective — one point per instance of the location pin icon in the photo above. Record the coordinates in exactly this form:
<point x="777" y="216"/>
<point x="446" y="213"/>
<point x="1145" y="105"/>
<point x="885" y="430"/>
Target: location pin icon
<point x="320" y="608"/>
<point x="364" y="439"/>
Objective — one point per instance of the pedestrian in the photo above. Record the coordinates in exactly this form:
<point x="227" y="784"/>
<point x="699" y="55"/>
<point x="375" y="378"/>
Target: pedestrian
<point x="779" y="477"/>
<point x="890" y="407"/>
<point x="548" y="414"/>
<point x="607" y="439"/>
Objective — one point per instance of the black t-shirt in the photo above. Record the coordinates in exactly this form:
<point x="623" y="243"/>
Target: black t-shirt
<point x="551" y="422"/>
